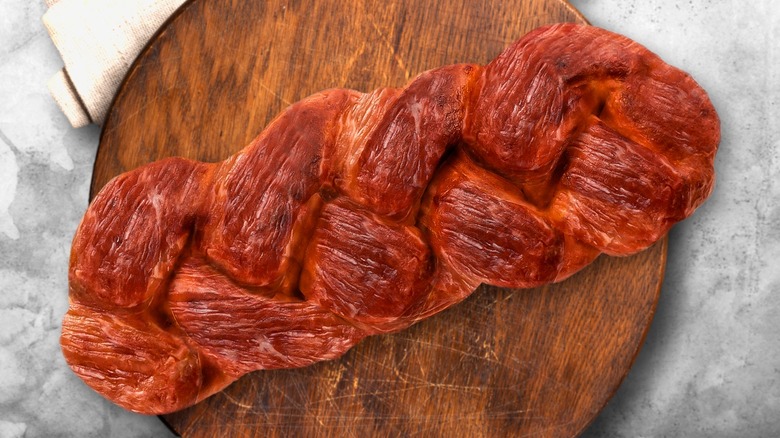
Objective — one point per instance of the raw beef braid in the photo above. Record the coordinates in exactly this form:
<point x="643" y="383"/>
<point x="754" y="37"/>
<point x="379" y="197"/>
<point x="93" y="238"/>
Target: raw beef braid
<point x="355" y="214"/>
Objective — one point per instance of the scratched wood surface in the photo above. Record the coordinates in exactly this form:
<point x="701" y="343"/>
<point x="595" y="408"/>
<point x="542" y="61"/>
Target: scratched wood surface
<point x="540" y="362"/>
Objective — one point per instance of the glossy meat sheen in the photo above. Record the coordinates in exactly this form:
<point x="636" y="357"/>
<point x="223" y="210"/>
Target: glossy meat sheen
<point x="257" y="207"/>
<point x="355" y="214"/>
<point x="134" y="360"/>
<point x="125" y="264"/>
<point x="238" y="330"/>
<point x="600" y="174"/>
<point x="483" y="229"/>
<point x="355" y="258"/>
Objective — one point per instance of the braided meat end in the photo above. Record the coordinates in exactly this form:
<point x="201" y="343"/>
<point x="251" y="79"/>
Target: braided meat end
<point x="593" y="127"/>
<point x="133" y="232"/>
<point x="670" y="114"/>
<point x="616" y="194"/>
<point x="130" y="360"/>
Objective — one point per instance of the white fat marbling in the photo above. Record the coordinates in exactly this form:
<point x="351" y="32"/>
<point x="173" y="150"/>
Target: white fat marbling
<point x="711" y="364"/>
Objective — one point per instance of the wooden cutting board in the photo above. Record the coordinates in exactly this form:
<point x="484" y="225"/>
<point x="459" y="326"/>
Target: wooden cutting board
<point x="539" y="362"/>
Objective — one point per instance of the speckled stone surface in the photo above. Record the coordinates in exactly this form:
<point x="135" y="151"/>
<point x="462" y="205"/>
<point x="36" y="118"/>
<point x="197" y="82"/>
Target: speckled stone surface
<point x="711" y="364"/>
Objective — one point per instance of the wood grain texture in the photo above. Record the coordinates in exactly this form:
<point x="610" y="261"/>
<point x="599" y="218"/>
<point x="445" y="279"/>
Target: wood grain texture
<point x="540" y="362"/>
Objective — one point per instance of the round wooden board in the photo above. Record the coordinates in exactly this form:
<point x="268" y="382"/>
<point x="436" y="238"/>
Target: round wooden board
<point x="539" y="362"/>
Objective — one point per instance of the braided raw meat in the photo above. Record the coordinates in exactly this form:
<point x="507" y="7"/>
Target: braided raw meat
<point x="355" y="214"/>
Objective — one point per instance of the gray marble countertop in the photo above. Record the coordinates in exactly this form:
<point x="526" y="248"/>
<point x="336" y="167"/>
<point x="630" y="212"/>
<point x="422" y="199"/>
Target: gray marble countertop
<point x="711" y="363"/>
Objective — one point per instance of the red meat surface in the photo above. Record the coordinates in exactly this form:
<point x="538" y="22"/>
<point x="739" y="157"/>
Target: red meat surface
<point x="354" y="214"/>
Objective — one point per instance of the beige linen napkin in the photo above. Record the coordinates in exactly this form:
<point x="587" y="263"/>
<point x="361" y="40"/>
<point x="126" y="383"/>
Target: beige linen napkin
<point x="98" y="40"/>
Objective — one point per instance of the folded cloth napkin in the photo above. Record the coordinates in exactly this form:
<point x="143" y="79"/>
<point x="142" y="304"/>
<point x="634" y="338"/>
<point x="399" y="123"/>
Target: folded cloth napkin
<point x="98" y="40"/>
